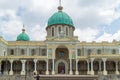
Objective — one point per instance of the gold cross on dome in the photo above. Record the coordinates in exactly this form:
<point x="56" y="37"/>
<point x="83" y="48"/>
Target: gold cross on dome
<point x="60" y="2"/>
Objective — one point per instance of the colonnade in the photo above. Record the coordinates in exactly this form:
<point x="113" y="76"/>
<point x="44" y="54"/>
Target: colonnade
<point x="90" y="69"/>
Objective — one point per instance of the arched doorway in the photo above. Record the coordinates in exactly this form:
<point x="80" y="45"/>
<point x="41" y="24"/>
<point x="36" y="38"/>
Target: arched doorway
<point x="29" y="66"/>
<point x="17" y="67"/>
<point x="110" y="67"/>
<point x="96" y="67"/>
<point x="61" y="60"/>
<point x="61" y="68"/>
<point x="82" y="67"/>
<point x="5" y="66"/>
<point x="41" y="67"/>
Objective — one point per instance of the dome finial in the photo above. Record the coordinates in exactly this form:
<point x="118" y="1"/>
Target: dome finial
<point x="60" y="2"/>
<point x="23" y="30"/>
<point x="60" y="7"/>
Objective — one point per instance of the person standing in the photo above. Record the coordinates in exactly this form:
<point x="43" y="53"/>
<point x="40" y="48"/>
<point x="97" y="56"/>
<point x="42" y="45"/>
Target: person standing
<point x="37" y="77"/>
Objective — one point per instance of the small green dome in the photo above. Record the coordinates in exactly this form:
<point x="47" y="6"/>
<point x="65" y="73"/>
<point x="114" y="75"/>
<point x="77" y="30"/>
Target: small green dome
<point x="60" y="18"/>
<point x="23" y="37"/>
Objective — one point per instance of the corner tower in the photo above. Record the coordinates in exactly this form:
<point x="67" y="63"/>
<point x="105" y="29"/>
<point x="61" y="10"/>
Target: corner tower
<point x="60" y="25"/>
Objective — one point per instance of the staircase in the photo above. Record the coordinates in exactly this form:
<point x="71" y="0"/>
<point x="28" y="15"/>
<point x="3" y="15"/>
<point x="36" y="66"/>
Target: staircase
<point x="68" y="77"/>
<point x="49" y="77"/>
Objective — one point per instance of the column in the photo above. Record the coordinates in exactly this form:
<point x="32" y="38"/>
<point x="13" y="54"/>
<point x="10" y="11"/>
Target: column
<point x="11" y="70"/>
<point x="23" y="67"/>
<point x="70" y="67"/>
<point x="17" y="53"/>
<point x="53" y="67"/>
<point x="76" y="72"/>
<point x="35" y="70"/>
<point x="47" y="71"/>
<point x="100" y="66"/>
<point x="99" y="71"/>
<point x="92" y="72"/>
<point x="88" y="66"/>
<point x="104" y="62"/>
<point x="28" y="51"/>
<point x="117" y="72"/>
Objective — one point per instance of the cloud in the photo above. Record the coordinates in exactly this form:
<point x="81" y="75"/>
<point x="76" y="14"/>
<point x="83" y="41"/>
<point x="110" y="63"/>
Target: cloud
<point x="10" y="24"/>
<point x="88" y="34"/>
<point x="87" y="15"/>
<point x="37" y="33"/>
<point x="109" y="37"/>
<point x="94" y="13"/>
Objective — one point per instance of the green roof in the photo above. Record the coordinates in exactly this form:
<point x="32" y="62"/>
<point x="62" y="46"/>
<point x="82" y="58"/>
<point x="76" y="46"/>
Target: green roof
<point x="60" y="18"/>
<point x="23" y="37"/>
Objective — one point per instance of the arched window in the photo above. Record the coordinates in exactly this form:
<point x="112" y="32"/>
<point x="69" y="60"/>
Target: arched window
<point x="44" y="52"/>
<point x="99" y="51"/>
<point x="59" y="29"/>
<point x="113" y="51"/>
<point x="33" y="52"/>
<point x="66" y="31"/>
<point x="5" y="53"/>
<point x="89" y="51"/>
<point x="11" y="52"/>
<point x="52" y="32"/>
<point x="22" y="52"/>
<point x="79" y="52"/>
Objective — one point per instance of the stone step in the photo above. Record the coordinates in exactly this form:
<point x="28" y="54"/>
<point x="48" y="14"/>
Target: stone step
<point x="49" y="77"/>
<point x="68" y="77"/>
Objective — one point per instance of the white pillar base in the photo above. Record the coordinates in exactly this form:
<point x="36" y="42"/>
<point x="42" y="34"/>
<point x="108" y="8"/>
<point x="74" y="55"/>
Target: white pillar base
<point x="11" y="73"/>
<point x="22" y="72"/>
<point x="47" y="72"/>
<point x="76" y="72"/>
<point x="105" y="72"/>
<point x="88" y="72"/>
<point x="35" y="72"/>
<point x="53" y="72"/>
<point x="71" y="73"/>
<point x="117" y="72"/>
<point x="92" y="72"/>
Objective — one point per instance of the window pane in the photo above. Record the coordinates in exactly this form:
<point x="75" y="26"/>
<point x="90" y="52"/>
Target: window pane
<point x="113" y="51"/>
<point x="99" y="51"/>
<point x="79" y="52"/>
<point x="52" y="31"/>
<point x="11" y="52"/>
<point x="89" y="51"/>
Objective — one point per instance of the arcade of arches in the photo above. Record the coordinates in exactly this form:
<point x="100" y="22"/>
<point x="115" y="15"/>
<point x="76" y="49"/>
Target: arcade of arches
<point x="62" y="64"/>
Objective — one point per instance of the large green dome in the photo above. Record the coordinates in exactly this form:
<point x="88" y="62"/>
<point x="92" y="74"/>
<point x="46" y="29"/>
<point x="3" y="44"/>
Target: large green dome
<point x="23" y="37"/>
<point x="60" y="18"/>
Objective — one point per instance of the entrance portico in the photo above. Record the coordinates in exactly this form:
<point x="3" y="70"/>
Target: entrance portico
<point x="61" y="67"/>
<point x="61" y="60"/>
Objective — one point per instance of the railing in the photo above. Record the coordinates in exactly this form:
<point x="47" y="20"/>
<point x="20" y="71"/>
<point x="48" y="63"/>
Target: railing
<point x="23" y="57"/>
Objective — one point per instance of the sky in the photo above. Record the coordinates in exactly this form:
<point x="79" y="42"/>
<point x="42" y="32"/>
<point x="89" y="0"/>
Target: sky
<point x="94" y="20"/>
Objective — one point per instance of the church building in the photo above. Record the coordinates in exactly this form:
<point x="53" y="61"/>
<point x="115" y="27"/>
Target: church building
<point x="60" y="53"/>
